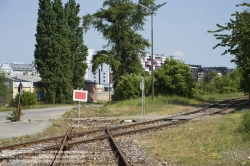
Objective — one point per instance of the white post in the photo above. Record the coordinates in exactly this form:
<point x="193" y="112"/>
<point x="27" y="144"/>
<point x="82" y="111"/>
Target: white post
<point x="79" y="114"/>
<point x="143" y="94"/>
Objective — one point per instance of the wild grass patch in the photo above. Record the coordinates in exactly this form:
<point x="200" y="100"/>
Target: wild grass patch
<point x="209" y="141"/>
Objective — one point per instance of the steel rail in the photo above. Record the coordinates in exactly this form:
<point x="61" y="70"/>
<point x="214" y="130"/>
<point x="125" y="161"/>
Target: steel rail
<point x="78" y="134"/>
<point x="72" y="135"/>
<point x="122" y="159"/>
<point x="62" y="148"/>
<point x="25" y="144"/>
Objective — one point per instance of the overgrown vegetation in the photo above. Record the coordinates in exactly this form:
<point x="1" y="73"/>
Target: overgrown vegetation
<point x="128" y="87"/>
<point x="244" y="126"/>
<point x="230" y="83"/>
<point x="211" y="141"/>
<point x="174" y="78"/>
<point x="26" y="99"/>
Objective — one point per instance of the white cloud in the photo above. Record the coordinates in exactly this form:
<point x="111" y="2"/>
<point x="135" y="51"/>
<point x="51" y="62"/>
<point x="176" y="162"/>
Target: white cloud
<point x="178" y="53"/>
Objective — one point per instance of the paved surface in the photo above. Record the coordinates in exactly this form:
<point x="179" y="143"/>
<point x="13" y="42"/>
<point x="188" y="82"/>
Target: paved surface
<point x="32" y="121"/>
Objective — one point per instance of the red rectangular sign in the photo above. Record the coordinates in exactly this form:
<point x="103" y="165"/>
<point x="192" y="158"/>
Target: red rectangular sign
<point x="80" y="95"/>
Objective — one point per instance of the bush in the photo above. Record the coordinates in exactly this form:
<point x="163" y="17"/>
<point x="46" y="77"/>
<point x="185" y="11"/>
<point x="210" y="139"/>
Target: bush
<point x="129" y="87"/>
<point x="26" y="99"/>
<point x="244" y="127"/>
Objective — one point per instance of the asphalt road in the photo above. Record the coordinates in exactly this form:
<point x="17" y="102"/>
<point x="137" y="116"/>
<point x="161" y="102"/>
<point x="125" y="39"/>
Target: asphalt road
<point x="32" y="121"/>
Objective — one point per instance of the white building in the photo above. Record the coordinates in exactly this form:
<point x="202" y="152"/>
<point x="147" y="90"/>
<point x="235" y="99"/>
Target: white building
<point x="102" y="74"/>
<point x="7" y="68"/>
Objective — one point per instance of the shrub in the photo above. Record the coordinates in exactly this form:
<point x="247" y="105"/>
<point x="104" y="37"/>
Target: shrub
<point x="26" y="99"/>
<point x="129" y="87"/>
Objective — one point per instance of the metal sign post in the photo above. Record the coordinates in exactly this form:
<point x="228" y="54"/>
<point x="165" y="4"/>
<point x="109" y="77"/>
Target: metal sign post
<point x="79" y="106"/>
<point x="143" y="94"/>
<point x="20" y="91"/>
<point x="80" y="95"/>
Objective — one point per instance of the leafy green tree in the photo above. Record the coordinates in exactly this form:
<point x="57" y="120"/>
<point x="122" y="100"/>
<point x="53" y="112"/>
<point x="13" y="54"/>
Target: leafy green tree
<point x="174" y="78"/>
<point x="60" y="54"/>
<point x="128" y="87"/>
<point x="45" y="60"/>
<point x="237" y="42"/>
<point x="78" y="51"/>
<point x="119" y="21"/>
<point x="3" y="87"/>
<point x="229" y="83"/>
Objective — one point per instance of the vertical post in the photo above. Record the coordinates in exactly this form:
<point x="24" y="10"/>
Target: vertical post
<point x="109" y="78"/>
<point x="79" y="114"/>
<point x="18" y="105"/>
<point x="142" y="84"/>
<point x="152" y="55"/>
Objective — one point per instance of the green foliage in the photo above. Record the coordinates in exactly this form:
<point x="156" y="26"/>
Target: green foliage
<point x="3" y="87"/>
<point x="78" y="50"/>
<point x="119" y="21"/>
<point x="128" y="87"/>
<point x="174" y="78"/>
<point x="12" y="117"/>
<point x="26" y="99"/>
<point x="230" y="83"/>
<point x="59" y="50"/>
<point x="244" y="126"/>
<point x="236" y="41"/>
<point x="205" y="88"/>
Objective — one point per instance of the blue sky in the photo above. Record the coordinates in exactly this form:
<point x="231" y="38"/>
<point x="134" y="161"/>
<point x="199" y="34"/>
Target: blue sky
<point x="180" y="29"/>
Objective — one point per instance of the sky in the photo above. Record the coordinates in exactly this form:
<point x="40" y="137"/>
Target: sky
<point x="179" y="29"/>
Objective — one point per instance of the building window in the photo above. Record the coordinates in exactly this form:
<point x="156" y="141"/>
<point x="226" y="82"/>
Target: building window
<point x="103" y="73"/>
<point x="94" y="77"/>
<point x="103" y="80"/>
<point x="40" y="96"/>
<point x="103" y="76"/>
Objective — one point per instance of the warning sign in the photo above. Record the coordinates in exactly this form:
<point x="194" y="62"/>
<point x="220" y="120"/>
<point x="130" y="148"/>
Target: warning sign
<point x="80" y="95"/>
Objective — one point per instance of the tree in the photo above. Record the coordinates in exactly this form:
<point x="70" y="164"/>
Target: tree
<point x="237" y="42"/>
<point x="60" y="53"/>
<point x="3" y="87"/>
<point x="45" y="60"/>
<point x="78" y="51"/>
<point x="174" y="78"/>
<point x="119" y="21"/>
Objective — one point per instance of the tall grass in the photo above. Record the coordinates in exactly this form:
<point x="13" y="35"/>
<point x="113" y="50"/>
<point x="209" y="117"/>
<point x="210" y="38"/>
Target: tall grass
<point x="211" y="141"/>
<point x="162" y="104"/>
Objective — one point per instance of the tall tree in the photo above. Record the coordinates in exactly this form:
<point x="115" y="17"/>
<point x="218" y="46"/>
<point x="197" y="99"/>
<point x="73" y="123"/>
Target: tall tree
<point x="44" y="54"/>
<point x="52" y="53"/>
<point x="78" y="51"/>
<point x="119" y="21"/>
<point x="3" y="87"/>
<point x="174" y="78"/>
<point x="237" y="42"/>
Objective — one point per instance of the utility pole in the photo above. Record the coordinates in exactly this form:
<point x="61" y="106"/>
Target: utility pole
<point x="152" y="11"/>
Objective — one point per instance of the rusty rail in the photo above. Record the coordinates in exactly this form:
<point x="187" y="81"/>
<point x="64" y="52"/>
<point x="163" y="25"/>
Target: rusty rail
<point x="72" y="135"/>
<point x="63" y="147"/>
<point x="121" y="157"/>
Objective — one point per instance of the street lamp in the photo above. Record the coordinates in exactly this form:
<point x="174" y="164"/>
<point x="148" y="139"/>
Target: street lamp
<point x="152" y="10"/>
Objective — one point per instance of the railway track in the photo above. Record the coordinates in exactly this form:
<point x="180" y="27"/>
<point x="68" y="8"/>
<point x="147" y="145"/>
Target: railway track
<point x="107" y="145"/>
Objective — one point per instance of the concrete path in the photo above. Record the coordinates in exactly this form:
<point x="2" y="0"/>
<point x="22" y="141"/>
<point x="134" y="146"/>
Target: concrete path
<point x="32" y="121"/>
